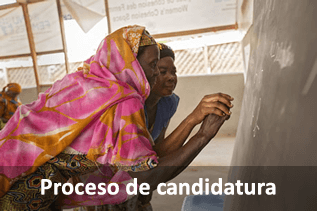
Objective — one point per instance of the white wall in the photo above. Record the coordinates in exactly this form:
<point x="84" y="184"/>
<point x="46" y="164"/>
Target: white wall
<point x="191" y="89"/>
<point x="29" y="95"/>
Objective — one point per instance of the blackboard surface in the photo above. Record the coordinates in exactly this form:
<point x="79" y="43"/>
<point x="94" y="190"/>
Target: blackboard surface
<point x="277" y="132"/>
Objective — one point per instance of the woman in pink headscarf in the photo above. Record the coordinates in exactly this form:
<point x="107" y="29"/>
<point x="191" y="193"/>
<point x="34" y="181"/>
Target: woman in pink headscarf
<point x="92" y="119"/>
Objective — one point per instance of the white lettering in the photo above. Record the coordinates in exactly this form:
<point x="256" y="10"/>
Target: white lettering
<point x="101" y="186"/>
<point x="239" y="185"/>
<point x="44" y="187"/>
<point x="181" y="185"/>
<point x="56" y="185"/>
<point x="134" y="186"/>
<point x="116" y="187"/>
<point x="229" y="190"/>
<point x="200" y="187"/>
<point x="143" y="189"/>
<point x="159" y="191"/>
<point x="71" y="188"/>
<point x="77" y="188"/>
<point x="246" y="189"/>
<point x="172" y="190"/>
<point x="219" y="185"/>
<point x="272" y="189"/>
<point x="260" y="185"/>
<point x="89" y="187"/>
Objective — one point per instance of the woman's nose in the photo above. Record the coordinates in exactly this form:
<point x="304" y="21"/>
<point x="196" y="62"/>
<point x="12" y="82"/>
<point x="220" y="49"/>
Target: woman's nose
<point x="156" y="71"/>
<point x="172" y="77"/>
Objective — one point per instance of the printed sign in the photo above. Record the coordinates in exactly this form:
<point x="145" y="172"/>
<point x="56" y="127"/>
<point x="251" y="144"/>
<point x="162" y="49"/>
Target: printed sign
<point x="167" y="16"/>
<point x="45" y="27"/>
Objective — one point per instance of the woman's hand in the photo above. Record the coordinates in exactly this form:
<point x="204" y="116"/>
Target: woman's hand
<point x="218" y="104"/>
<point x="211" y="125"/>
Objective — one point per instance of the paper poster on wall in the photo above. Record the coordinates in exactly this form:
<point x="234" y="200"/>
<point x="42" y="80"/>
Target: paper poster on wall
<point x="166" y="16"/>
<point x="13" y="36"/>
<point x="45" y="26"/>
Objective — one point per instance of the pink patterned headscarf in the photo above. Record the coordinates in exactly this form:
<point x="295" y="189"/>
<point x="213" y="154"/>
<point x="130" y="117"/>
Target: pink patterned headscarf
<point x="97" y="111"/>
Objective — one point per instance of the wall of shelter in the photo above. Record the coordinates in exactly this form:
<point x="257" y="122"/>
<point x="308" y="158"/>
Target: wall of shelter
<point x="216" y="59"/>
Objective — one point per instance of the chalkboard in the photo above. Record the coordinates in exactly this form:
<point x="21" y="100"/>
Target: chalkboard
<point x="277" y="134"/>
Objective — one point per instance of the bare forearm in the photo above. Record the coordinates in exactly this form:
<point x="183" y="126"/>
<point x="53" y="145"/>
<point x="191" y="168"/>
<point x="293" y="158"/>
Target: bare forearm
<point x="218" y="104"/>
<point x="186" y="164"/>
<point x="172" y="164"/>
<point x="176" y="139"/>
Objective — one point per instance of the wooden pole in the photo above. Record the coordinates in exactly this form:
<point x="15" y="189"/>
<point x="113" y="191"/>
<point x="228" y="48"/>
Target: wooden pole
<point x="27" y="54"/>
<point x="7" y="6"/>
<point x="108" y="16"/>
<point x="195" y="31"/>
<point x="61" y="23"/>
<point x="31" y="43"/>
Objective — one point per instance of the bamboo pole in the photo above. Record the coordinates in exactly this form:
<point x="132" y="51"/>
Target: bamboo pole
<point x="61" y="23"/>
<point x="15" y="56"/>
<point x="108" y="15"/>
<point x="27" y="54"/>
<point x="196" y="31"/>
<point x="7" y="6"/>
<point x="31" y="43"/>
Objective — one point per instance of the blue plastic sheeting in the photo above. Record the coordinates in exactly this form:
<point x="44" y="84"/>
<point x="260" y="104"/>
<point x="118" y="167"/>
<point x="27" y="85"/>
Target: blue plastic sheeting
<point x="203" y="203"/>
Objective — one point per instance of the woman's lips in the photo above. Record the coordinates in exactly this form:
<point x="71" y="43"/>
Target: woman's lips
<point x="171" y="87"/>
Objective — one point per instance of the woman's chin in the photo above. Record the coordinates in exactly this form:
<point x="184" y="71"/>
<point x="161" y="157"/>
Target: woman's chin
<point x="167" y="93"/>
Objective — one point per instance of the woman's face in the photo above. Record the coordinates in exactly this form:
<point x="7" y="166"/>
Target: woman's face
<point x="148" y="61"/>
<point x="167" y="80"/>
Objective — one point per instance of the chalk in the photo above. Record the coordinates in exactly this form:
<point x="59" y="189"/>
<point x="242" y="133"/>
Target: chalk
<point x="310" y="79"/>
<point x="284" y="55"/>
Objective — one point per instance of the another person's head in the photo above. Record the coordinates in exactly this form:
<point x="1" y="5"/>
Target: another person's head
<point x="167" y="80"/>
<point x="12" y="90"/>
<point x="148" y="56"/>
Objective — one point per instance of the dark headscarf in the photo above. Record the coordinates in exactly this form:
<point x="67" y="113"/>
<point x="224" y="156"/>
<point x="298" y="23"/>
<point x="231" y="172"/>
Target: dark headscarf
<point x="166" y="51"/>
<point x="13" y="87"/>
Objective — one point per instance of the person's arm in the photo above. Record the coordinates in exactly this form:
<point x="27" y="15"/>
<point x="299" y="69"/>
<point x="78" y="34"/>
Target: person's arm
<point x="172" y="164"/>
<point x="161" y="137"/>
<point x="2" y="110"/>
<point x="217" y="104"/>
